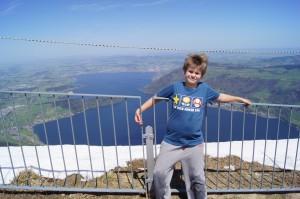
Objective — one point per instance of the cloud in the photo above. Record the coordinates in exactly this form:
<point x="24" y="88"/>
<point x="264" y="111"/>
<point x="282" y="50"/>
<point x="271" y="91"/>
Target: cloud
<point x="94" y="6"/>
<point x="7" y="9"/>
<point x="103" y="6"/>
<point x="153" y="3"/>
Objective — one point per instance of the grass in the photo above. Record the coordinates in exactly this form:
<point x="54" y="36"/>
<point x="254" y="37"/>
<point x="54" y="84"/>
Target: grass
<point x="262" y="95"/>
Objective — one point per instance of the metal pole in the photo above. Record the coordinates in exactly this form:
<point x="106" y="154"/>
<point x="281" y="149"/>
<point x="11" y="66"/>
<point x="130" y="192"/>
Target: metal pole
<point x="129" y="144"/>
<point x="9" y="152"/>
<point x="206" y="132"/>
<point x="150" y="158"/>
<point x="143" y="143"/>
<point x="275" y="155"/>
<point x="154" y="123"/>
<point x="20" y="141"/>
<point x="33" y="137"/>
<point x="218" y="144"/>
<point x="242" y="149"/>
<point x="2" y="175"/>
<point x="115" y="139"/>
<point x="59" y="136"/>
<point x="295" y="165"/>
<point x="87" y="136"/>
<point x="46" y="136"/>
<point x="287" y="147"/>
<point x="230" y="143"/>
<point x="254" y="138"/>
<point x="73" y="136"/>
<point x="266" y="139"/>
<point x="101" y="141"/>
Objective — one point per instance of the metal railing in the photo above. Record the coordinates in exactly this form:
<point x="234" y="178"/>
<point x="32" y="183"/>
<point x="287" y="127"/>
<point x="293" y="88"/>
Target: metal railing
<point x="78" y="147"/>
<point x="90" y="143"/>
<point x="251" y="149"/>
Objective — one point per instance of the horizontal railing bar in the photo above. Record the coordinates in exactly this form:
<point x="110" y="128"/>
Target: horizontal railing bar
<point x="253" y="104"/>
<point x="73" y="94"/>
<point x="137" y="97"/>
<point x="275" y="190"/>
<point x="226" y="191"/>
<point x="277" y="105"/>
<point x="71" y="189"/>
<point x="266" y="104"/>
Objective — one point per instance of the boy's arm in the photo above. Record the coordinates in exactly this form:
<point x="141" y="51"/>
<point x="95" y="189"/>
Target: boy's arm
<point x="223" y="98"/>
<point x="148" y="104"/>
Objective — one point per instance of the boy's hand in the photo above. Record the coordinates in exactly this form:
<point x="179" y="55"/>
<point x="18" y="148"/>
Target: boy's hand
<point x="246" y="102"/>
<point x="137" y="117"/>
<point x="224" y="98"/>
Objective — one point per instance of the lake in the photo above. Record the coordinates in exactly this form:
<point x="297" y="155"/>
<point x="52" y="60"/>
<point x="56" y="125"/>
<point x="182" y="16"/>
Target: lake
<point x="129" y="84"/>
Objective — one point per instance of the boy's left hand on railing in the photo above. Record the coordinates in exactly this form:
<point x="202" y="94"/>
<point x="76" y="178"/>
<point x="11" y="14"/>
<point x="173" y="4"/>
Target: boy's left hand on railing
<point x="246" y="102"/>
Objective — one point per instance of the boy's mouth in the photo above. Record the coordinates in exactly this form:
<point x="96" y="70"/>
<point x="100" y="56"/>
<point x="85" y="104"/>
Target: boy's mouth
<point x="192" y="78"/>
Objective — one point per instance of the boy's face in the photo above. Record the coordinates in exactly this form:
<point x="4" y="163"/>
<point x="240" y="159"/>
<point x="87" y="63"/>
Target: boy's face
<point x="192" y="77"/>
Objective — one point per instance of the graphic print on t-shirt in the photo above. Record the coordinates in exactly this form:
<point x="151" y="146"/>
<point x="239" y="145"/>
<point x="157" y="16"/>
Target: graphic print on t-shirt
<point x="197" y="102"/>
<point x="187" y="103"/>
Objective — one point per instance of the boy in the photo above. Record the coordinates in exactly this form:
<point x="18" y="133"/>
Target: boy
<point x="183" y="141"/>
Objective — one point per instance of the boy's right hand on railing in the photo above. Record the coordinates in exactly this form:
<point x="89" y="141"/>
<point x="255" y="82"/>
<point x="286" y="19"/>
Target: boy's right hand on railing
<point x="137" y="117"/>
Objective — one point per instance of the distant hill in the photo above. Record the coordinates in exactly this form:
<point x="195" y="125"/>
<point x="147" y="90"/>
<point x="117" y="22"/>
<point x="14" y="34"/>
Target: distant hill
<point x="269" y="80"/>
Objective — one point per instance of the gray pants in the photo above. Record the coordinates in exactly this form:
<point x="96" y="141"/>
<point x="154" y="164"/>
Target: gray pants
<point x="192" y="164"/>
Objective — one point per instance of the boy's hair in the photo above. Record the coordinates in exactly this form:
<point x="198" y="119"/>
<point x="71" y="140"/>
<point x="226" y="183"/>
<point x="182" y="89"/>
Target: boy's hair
<point x="199" y="61"/>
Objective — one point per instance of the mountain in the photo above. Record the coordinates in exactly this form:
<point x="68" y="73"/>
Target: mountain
<point x="274" y="80"/>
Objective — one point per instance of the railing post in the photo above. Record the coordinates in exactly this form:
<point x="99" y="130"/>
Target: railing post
<point x="149" y="136"/>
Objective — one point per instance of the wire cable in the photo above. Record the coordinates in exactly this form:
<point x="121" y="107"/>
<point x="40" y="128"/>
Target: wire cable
<point x="150" y="48"/>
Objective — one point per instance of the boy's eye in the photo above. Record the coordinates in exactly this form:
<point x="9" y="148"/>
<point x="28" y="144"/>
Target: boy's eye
<point x="196" y="73"/>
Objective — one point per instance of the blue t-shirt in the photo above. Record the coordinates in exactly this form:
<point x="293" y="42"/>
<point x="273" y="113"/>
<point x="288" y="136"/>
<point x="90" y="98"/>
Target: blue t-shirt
<point x="185" y="121"/>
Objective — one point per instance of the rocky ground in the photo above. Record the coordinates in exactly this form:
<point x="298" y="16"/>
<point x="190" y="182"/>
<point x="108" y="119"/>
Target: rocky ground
<point x="36" y="195"/>
<point x="218" y="176"/>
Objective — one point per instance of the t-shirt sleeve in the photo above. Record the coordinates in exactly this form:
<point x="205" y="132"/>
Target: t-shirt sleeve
<point x="166" y="92"/>
<point x="211" y="94"/>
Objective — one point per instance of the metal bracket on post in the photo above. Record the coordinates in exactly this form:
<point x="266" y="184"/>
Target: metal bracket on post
<point x="149" y="136"/>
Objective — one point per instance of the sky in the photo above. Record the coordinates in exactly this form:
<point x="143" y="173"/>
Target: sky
<point x="192" y="24"/>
